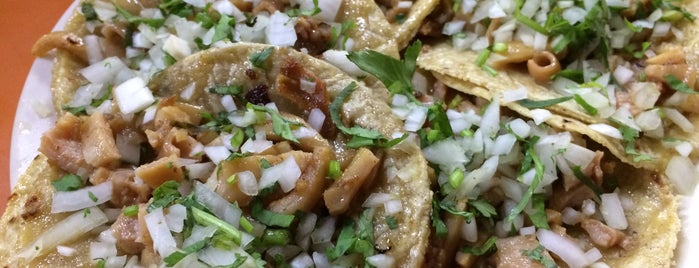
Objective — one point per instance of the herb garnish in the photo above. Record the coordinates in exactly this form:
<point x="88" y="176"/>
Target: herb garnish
<point x="487" y="247"/>
<point x="395" y="74"/>
<point x="678" y="85"/>
<point x="67" y="183"/>
<point x="537" y="254"/>
<point x="532" y="104"/>
<point x="296" y="12"/>
<point x="258" y="59"/>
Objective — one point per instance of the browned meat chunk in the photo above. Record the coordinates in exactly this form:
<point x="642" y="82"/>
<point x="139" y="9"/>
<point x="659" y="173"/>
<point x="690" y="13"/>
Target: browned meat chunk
<point x="602" y="235"/>
<point x="341" y="193"/>
<point x="270" y="6"/>
<point x="62" y="145"/>
<point x="125" y="191"/>
<point x="509" y="253"/>
<point x="313" y="35"/>
<point x="99" y="147"/>
<point x="309" y="186"/>
<point x="159" y="171"/>
<point x="126" y="231"/>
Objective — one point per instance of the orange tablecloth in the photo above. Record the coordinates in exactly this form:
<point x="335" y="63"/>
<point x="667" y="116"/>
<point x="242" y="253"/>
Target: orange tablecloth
<point x="22" y="22"/>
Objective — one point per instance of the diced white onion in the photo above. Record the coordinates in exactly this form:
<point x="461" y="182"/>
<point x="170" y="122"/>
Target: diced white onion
<point x="176" y="47"/>
<point x="93" y="49"/>
<point x="447" y="153"/>
<point x="612" y="211"/>
<point x="176" y="214"/>
<point x="469" y="231"/>
<point x="217" y="153"/>
<point x="490" y="121"/>
<point x="540" y="115"/>
<point x="66" y="251"/>
<point x="571" y="216"/>
<point x="593" y="255"/>
<point x="622" y="74"/>
<point x="416" y="118"/>
<point x="453" y="27"/>
<point x="286" y="173"/>
<point x="588" y="207"/>
<point x="220" y="257"/>
<point x="103" y="72"/>
<point x="519" y="127"/>
<point x="606" y="130"/>
<point x="649" y="120"/>
<point x="321" y="260"/>
<point x="339" y="59"/>
<point x="255" y="145"/>
<point x="529" y="230"/>
<point x="419" y="82"/>
<point x="324" y="232"/>
<point x="564" y="248"/>
<point x="519" y="93"/>
<point x="199" y="233"/>
<point x="684" y="148"/>
<point x="133" y="96"/>
<point x="376" y="199"/>
<point x="228" y="103"/>
<point x="247" y="183"/>
<point x="200" y="170"/>
<point x="682" y="173"/>
<point x="393" y="206"/>
<point x="163" y="241"/>
<point x="503" y="144"/>
<point x="82" y="198"/>
<point x="679" y="119"/>
<point x="280" y="31"/>
<point x="618" y="3"/>
<point x="316" y="118"/>
<point x="102" y="250"/>
<point x="381" y="261"/>
<point x="578" y="155"/>
<point x="302" y="260"/>
<point x="662" y="28"/>
<point x="217" y="204"/>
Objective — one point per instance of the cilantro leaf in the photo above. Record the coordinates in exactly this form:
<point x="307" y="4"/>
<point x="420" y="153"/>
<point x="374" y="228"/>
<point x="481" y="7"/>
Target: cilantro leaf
<point x="280" y="125"/>
<point x="583" y="103"/>
<point x="178" y="255"/>
<point x="155" y="23"/>
<point x="450" y="207"/>
<point x="223" y="29"/>
<point x="164" y="195"/>
<point x="360" y="136"/>
<point x="296" y="12"/>
<point x="365" y="225"/>
<point x="395" y="74"/>
<point x="392" y="222"/>
<point x="487" y="247"/>
<point x="227" y="90"/>
<point x="678" y="85"/>
<point x="439" y="226"/>
<point x="483" y="207"/>
<point x="67" y="183"/>
<point x="532" y="104"/>
<point x="537" y="254"/>
<point x="539" y="174"/>
<point x="88" y="11"/>
<point x="629" y="136"/>
<point x="345" y="27"/>
<point x="77" y="110"/>
<point x="268" y="217"/>
<point x="538" y="217"/>
<point x="258" y="59"/>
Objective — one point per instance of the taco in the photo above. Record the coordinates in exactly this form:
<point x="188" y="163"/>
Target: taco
<point x="515" y="192"/>
<point x="302" y="151"/>
<point x="626" y="70"/>
<point x="148" y="36"/>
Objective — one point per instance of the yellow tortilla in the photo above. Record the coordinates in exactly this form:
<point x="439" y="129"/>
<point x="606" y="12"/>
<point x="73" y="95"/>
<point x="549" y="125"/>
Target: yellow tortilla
<point x="403" y="33"/>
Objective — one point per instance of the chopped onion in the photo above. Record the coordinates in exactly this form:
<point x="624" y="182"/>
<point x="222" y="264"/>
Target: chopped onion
<point x="302" y="260"/>
<point x="529" y="230"/>
<point x="321" y="260"/>
<point x="93" y="48"/>
<point x="416" y="118"/>
<point x="130" y="152"/>
<point x="82" y="198"/>
<point x="563" y="247"/>
<point x="540" y="115"/>
<point x="588" y="207"/>
<point x="305" y="226"/>
<point x="519" y="127"/>
<point x="149" y="114"/>
<point x="679" y="119"/>
<point x="102" y="250"/>
<point x="286" y="173"/>
<point x="419" y="82"/>
<point x="217" y="204"/>
<point x="217" y="153"/>
<point x="662" y="28"/>
<point x="578" y="155"/>
<point x="622" y="74"/>
<point x="228" y="103"/>
<point x="453" y="27"/>
<point x="683" y="173"/>
<point x="377" y="199"/>
<point x="200" y="170"/>
<point x="104" y="71"/>
<point x="446" y="153"/>
<point x="593" y="255"/>
<point x="684" y="148"/>
<point x="599" y="265"/>
<point x="606" y="130"/>
<point x="503" y="144"/>
<point x="324" y="232"/>
<point x="469" y="231"/>
<point x="612" y="211"/>
<point x="381" y="260"/>
<point x="339" y="59"/>
<point x="176" y="214"/>
<point x="280" y="31"/>
<point x="199" y="233"/>
<point x="571" y="216"/>
<point x="255" y="145"/>
<point x="490" y="121"/>
<point x="64" y="231"/>
<point x="133" y="95"/>
<point x="247" y="183"/>
<point x="220" y="257"/>
<point x="228" y="8"/>
<point x="66" y="251"/>
<point x="304" y="132"/>
<point x="649" y="120"/>
<point x="176" y="47"/>
<point x="519" y="93"/>
<point x="393" y="206"/>
<point x="163" y="241"/>
<point x="316" y="118"/>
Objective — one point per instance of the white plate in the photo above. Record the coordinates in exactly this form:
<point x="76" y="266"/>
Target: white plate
<point x="36" y="100"/>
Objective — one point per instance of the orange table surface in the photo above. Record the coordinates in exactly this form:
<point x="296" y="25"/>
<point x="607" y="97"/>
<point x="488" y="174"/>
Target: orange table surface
<point x="22" y="22"/>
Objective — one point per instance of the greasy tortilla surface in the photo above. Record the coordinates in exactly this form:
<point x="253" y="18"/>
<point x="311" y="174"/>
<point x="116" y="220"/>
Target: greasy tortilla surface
<point x="365" y="107"/>
<point x="653" y="221"/>
<point x="403" y="33"/>
<point x="449" y="63"/>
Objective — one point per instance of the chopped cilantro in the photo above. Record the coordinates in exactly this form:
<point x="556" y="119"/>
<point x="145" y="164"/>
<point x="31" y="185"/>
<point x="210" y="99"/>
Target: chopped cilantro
<point x="538" y="216"/>
<point x="487" y="247"/>
<point x="539" y="174"/>
<point x="588" y="108"/>
<point x="537" y="254"/>
<point x="223" y="29"/>
<point x="258" y="59"/>
<point x="67" y="183"/>
<point x="678" y="85"/>
<point x="86" y="212"/>
<point x="88" y="11"/>
<point x="296" y="12"/>
<point x="395" y="74"/>
<point x="450" y="207"/>
<point x="164" y="195"/>
<point x="176" y="7"/>
<point x="233" y="90"/>
<point x="264" y="164"/>
<point x="439" y="226"/>
<point x="280" y="125"/>
<point x="130" y="211"/>
<point x="392" y="222"/>
<point x="531" y="104"/>
<point x="587" y="181"/>
<point x="268" y="217"/>
<point x="629" y="136"/>
<point x="77" y="110"/>
<point x="168" y="59"/>
<point x="483" y="207"/>
<point x="155" y="23"/>
<point x="178" y="255"/>
<point x="207" y="219"/>
<point x="92" y="196"/>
